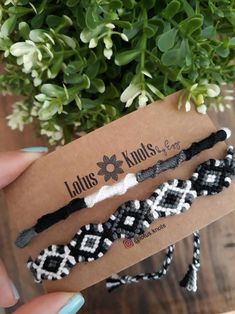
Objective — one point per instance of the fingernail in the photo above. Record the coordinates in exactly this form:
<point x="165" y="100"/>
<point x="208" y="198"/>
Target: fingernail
<point x="37" y="149"/>
<point x="14" y="291"/>
<point x="73" y="305"/>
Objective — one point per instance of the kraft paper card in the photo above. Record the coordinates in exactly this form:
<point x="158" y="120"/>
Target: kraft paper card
<point x="139" y="140"/>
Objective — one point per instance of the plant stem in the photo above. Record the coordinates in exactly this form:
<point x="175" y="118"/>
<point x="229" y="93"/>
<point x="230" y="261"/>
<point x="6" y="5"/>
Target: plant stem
<point x="143" y="49"/>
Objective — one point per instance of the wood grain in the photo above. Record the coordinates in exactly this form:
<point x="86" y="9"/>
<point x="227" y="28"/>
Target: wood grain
<point x="216" y="287"/>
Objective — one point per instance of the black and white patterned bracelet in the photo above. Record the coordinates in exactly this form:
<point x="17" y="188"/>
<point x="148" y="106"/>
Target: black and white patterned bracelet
<point x="130" y="180"/>
<point x="132" y="218"/>
<point x="189" y="281"/>
<point x="116" y="281"/>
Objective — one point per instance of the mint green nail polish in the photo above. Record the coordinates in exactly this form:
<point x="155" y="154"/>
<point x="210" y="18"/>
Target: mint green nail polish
<point x="15" y="291"/>
<point x="74" y="304"/>
<point x="37" y="149"/>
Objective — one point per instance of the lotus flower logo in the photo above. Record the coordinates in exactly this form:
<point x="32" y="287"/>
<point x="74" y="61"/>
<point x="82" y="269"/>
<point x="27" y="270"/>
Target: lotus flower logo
<point x="110" y="167"/>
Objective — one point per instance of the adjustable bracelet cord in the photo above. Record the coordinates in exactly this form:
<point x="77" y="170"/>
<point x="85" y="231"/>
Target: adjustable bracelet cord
<point x="119" y="188"/>
<point x="132" y="218"/>
<point x="116" y="281"/>
<point x="189" y="281"/>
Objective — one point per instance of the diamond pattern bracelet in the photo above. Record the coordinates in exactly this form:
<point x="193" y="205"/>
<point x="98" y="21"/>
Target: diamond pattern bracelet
<point x="132" y="218"/>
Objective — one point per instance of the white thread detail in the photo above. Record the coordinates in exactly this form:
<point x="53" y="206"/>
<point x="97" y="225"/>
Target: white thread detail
<point x="108" y="191"/>
<point x="227" y="131"/>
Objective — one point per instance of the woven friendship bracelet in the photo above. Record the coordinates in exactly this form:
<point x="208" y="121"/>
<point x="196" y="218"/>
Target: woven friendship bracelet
<point x="132" y="218"/>
<point x="189" y="281"/>
<point x="130" y="180"/>
<point x="116" y="281"/>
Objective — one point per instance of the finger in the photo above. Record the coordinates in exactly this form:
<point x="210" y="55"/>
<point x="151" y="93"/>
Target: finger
<point x="53" y="303"/>
<point x="12" y="164"/>
<point x="8" y="293"/>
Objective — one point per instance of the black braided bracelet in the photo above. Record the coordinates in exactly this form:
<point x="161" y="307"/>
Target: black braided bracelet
<point x="130" y="180"/>
<point x="132" y="218"/>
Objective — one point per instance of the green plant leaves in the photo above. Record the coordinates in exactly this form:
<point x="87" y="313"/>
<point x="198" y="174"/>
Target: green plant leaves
<point x="38" y="20"/>
<point x="54" y="21"/>
<point x="129" y="4"/>
<point x="92" y="17"/>
<point x="150" y="30"/>
<point x="76" y="58"/>
<point x="175" y="56"/>
<point x="57" y="64"/>
<point x="72" y="3"/>
<point x="156" y="91"/>
<point x="187" y="8"/>
<point x="172" y="9"/>
<point x="231" y="41"/>
<point x="19" y="11"/>
<point x="167" y="40"/>
<point x="208" y="32"/>
<point x="148" y="4"/>
<point x="115" y="4"/>
<point x="75" y="66"/>
<point x="99" y="85"/>
<point x="52" y="90"/>
<point x="8" y="26"/>
<point x="69" y="41"/>
<point x="222" y="51"/>
<point x="48" y="112"/>
<point x="134" y="30"/>
<point x="80" y="81"/>
<point x="24" y="30"/>
<point x="123" y="24"/>
<point x="37" y="35"/>
<point x="215" y="9"/>
<point x="126" y="57"/>
<point x="191" y="24"/>
<point x="5" y="43"/>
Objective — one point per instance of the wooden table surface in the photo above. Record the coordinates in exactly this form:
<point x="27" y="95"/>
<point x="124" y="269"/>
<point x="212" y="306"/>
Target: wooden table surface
<point x="216" y="285"/>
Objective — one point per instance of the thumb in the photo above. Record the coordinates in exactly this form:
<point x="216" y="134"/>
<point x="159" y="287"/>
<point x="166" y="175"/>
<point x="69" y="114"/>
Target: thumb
<point x="53" y="303"/>
<point x="13" y="163"/>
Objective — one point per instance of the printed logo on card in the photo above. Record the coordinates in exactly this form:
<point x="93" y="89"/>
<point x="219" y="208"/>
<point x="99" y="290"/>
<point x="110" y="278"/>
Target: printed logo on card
<point x="111" y="166"/>
<point x="128" y="243"/>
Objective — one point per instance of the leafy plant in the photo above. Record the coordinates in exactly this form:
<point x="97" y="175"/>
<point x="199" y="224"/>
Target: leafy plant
<point x="82" y="63"/>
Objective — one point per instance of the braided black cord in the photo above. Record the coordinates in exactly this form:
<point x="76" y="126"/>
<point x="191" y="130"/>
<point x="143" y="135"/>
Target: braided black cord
<point x="64" y="212"/>
<point x="207" y="143"/>
<point x="185" y="154"/>
<point x="116" y="281"/>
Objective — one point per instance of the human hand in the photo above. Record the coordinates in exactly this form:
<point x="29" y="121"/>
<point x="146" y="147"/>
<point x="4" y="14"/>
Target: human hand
<point x="12" y="164"/>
